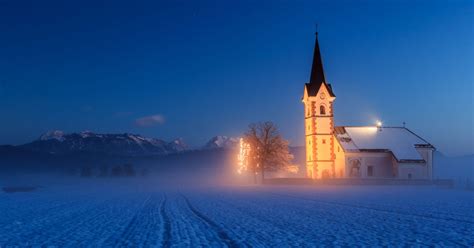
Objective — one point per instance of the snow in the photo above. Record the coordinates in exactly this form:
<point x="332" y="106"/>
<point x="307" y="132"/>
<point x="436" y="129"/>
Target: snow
<point x="398" y="140"/>
<point x="55" y="134"/>
<point x="346" y="142"/>
<point x="105" y="143"/>
<point x="87" y="133"/>
<point x="144" y="215"/>
<point x="137" y="139"/>
<point x="221" y="142"/>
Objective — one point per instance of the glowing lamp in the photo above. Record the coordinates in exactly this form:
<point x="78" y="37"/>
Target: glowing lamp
<point x="379" y="124"/>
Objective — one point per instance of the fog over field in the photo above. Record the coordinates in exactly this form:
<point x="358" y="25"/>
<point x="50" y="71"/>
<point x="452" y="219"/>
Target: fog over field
<point x="196" y="198"/>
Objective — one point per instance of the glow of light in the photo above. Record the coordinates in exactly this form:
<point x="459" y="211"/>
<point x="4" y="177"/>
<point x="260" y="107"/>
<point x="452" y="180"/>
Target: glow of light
<point x="293" y="169"/>
<point x="379" y="124"/>
<point x="243" y="157"/>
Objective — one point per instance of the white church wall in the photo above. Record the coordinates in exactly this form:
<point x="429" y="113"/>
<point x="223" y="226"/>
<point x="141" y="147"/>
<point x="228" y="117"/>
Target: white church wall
<point x="412" y="171"/>
<point x="418" y="170"/>
<point x="395" y="171"/>
<point x="339" y="162"/>
<point x="380" y="163"/>
<point x="427" y="154"/>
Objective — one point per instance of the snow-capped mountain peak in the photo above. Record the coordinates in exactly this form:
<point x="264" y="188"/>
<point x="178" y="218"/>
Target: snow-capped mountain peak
<point x="87" y="133"/>
<point x="179" y="144"/>
<point x="58" y="142"/>
<point x="221" y="142"/>
<point x="53" y="135"/>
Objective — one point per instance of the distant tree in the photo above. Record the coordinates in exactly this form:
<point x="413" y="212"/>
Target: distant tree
<point x="103" y="171"/>
<point x="117" y="171"/>
<point x="86" y="171"/>
<point x="128" y="170"/>
<point x="268" y="150"/>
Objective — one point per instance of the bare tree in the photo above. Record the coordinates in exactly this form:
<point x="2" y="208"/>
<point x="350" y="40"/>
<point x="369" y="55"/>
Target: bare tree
<point x="268" y="150"/>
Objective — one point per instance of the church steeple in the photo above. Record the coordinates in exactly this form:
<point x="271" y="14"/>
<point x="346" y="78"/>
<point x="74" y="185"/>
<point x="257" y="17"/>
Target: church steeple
<point x="317" y="72"/>
<point x="317" y="77"/>
<point x="318" y="100"/>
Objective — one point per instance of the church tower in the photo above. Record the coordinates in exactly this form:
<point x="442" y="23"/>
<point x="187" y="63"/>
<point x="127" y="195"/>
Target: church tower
<point x="319" y="121"/>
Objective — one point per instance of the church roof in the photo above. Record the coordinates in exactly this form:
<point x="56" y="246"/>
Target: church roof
<point x="313" y="89"/>
<point x="400" y="141"/>
<point x="317" y="73"/>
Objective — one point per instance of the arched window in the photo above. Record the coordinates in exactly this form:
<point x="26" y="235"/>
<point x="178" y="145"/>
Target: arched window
<point x="322" y="110"/>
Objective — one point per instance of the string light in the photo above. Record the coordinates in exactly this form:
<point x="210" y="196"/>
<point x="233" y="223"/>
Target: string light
<point x="243" y="157"/>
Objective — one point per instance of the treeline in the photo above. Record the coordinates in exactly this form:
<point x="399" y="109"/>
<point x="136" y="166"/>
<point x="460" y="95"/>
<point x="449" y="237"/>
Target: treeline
<point x="126" y="170"/>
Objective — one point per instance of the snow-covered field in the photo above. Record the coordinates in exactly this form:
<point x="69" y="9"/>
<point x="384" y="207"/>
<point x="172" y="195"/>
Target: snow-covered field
<point x="144" y="215"/>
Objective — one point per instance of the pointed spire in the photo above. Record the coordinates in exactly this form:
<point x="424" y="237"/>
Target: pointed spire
<point x="317" y="72"/>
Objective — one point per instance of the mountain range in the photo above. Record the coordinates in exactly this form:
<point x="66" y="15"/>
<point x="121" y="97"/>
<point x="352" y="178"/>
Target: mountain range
<point x="126" y="144"/>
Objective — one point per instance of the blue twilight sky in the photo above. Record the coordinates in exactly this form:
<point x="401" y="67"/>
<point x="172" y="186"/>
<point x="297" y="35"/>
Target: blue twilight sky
<point x="195" y="69"/>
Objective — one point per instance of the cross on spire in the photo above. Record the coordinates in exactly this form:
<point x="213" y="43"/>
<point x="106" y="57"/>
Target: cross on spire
<point x="317" y="77"/>
<point x="317" y="72"/>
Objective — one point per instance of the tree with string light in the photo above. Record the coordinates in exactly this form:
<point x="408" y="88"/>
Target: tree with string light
<point x="268" y="150"/>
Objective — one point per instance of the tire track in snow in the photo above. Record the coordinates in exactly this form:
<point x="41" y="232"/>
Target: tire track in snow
<point x="149" y="227"/>
<point x="375" y="209"/>
<point x="144" y="229"/>
<point x="220" y="232"/>
<point x="131" y="226"/>
<point x="166" y="224"/>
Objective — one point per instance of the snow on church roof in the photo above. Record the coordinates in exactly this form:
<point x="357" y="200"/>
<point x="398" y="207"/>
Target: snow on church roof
<point x="398" y="140"/>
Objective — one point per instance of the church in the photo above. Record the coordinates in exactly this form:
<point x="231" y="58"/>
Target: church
<point x="356" y="151"/>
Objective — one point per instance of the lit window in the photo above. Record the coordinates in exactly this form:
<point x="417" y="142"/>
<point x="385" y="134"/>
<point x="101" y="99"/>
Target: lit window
<point x="322" y="110"/>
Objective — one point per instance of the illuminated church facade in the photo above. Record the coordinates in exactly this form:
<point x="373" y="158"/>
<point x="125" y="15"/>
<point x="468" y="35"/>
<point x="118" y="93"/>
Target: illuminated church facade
<point x="356" y="151"/>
